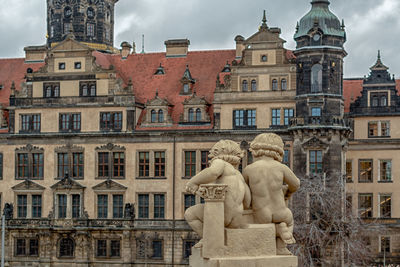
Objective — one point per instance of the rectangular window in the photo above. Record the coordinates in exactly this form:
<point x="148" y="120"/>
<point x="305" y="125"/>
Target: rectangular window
<point x="365" y="171"/>
<point x="37" y="165"/>
<point x="190" y="163"/>
<point x="372" y="129"/>
<point x="30" y="123"/>
<point x="187" y="248"/>
<point x="22" y="165"/>
<point x="143" y="206"/>
<point x="385" y="244"/>
<point x="62" y="164"/>
<point x="157" y="247"/>
<point x="22" y="203"/>
<point x="77" y="165"/>
<point x="316" y="112"/>
<point x="276" y="117"/>
<point x="62" y="206"/>
<point x="385" y="128"/>
<point x="101" y="248"/>
<point x="76" y="206"/>
<point x="33" y="247"/>
<point x="189" y="200"/>
<point x="385" y="205"/>
<point x="349" y="171"/>
<point x="70" y="122"/>
<point x="159" y="206"/>
<point x="289" y="114"/>
<point x="110" y="121"/>
<point x="103" y="164"/>
<point x="365" y="205"/>
<point x="244" y="118"/>
<point x="51" y="90"/>
<point x="61" y="66"/>
<point x="21" y="247"/>
<point x="144" y="164"/>
<point x="102" y="206"/>
<point x="159" y="164"/>
<point x="385" y="170"/>
<point x="204" y="160"/>
<point x="119" y="164"/>
<point x="286" y="157"/>
<point x="90" y="29"/>
<point x="115" y="248"/>
<point x="36" y="206"/>
<point x="118" y="206"/>
<point x="315" y="161"/>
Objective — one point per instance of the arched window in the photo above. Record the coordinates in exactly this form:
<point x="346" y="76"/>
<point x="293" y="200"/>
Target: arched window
<point x="245" y="87"/>
<point x="66" y="247"/>
<point x="383" y="101"/>
<point x="198" y="114"/>
<point x="283" y="84"/>
<point x="85" y="90"/>
<point x="160" y="116"/>
<point x="316" y="78"/>
<point x="274" y="84"/>
<point x="253" y="85"/>
<point x="93" y="90"/>
<point x="191" y="115"/>
<point x="153" y="116"/>
<point x="56" y="91"/>
<point x="48" y="91"/>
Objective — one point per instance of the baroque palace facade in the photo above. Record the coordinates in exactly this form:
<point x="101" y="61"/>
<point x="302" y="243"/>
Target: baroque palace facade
<point x="97" y="144"/>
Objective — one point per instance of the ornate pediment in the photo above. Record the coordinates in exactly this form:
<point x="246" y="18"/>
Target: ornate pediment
<point x="29" y="148"/>
<point x="28" y="185"/>
<point x="157" y="101"/>
<point x="67" y="183"/>
<point x="109" y="185"/>
<point x="69" y="147"/>
<point x="111" y="147"/>
<point x="315" y="142"/>
<point x="70" y="44"/>
<point x="195" y="100"/>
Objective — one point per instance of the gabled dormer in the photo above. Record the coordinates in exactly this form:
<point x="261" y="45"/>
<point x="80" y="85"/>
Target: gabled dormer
<point x="195" y="110"/>
<point x="187" y="82"/>
<point x="157" y="112"/>
<point x="379" y="94"/>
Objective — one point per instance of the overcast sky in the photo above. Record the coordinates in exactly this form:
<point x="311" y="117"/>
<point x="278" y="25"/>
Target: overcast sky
<point x="213" y="24"/>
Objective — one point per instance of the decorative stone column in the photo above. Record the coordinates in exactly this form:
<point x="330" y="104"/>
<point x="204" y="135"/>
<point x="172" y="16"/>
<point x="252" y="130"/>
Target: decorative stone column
<point x="213" y="228"/>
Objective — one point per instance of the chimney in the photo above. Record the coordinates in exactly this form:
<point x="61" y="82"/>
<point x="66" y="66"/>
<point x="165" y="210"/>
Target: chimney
<point x="177" y="47"/>
<point x="125" y="49"/>
<point x="239" y="46"/>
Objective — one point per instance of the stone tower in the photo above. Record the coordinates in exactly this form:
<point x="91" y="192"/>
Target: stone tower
<point x="90" y="21"/>
<point x="319" y="129"/>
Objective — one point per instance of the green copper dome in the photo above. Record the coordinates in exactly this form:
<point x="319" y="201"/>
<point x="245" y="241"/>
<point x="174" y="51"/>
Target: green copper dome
<point x="320" y="17"/>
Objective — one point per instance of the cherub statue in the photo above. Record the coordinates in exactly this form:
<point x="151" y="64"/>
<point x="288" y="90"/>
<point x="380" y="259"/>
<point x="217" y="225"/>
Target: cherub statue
<point x="271" y="185"/>
<point x="225" y="158"/>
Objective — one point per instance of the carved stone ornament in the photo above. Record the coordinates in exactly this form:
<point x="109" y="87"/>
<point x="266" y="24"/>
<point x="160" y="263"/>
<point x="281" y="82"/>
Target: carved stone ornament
<point x="212" y="192"/>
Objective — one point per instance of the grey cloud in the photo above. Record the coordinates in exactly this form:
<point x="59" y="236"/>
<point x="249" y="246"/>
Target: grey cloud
<point x="214" y="24"/>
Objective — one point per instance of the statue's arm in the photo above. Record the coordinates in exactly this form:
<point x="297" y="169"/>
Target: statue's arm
<point x="206" y="176"/>
<point x="291" y="180"/>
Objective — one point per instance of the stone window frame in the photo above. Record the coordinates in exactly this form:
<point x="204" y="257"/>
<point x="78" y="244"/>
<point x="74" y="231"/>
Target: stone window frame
<point x="30" y="151"/>
<point x="108" y="241"/>
<point x="59" y="247"/>
<point x="151" y="164"/>
<point x="69" y="194"/>
<point x="109" y="192"/>
<point x="286" y="119"/>
<point x="89" y="88"/>
<point x="156" y="113"/>
<point x="274" y="119"/>
<point x="348" y="180"/>
<point x="161" y="240"/>
<point x="246" y="117"/>
<point x="249" y="80"/>
<point x="362" y="209"/>
<point x="379" y="129"/>
<point x="55" y="90"/>
<point x="70" y="150"/>
<point x="381" y="203"/>
<point x="27" y="240"/>
<point x="110" y="149"/>
<point x="114" y="125"/>
<point x="31" y="122"/>
<point x="380" y="93"/>
<point x="71" y="122"/>
<point x="264" y="58"/>
<point x="198" y="162"/>
<point x="204" y="117"/>
<point x="29" y="204"/>
<point x="151" y="205"/>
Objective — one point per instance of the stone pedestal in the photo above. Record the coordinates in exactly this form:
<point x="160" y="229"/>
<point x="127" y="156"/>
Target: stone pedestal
<point x="254" y="246"/>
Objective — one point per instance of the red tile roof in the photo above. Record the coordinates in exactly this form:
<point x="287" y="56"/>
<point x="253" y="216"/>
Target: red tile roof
<point x="13" y="70"/>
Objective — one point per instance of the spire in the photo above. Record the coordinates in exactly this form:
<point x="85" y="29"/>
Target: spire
<point x="342" y="26"/>
<point x="142" y="44"/>
<point x="264" y="21"/>
<point x="297" y="27"/>
<point x="187" y="74"/>
<point x="379" y="65"/>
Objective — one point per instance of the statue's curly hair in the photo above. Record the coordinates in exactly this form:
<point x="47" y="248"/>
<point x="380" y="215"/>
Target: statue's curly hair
<point x="226" y="150"/>
<point x="267" y="144"/>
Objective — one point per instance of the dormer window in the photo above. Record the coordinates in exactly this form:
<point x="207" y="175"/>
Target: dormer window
<point x="245" y="87"/>
<point x="160" y="70"/>
<point x="383" y="101"/>
<point x="191" y="115"/>
<point x="253" y="85"/>
<point x="198" y="114"/>
<point x="186" y="88"/>
<point x="160" y="116"/>
<point x="153" y="116"/>
<point x="379" y="99"/>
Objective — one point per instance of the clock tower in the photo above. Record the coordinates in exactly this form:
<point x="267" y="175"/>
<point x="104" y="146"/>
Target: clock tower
<point x="90" y="21"/>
